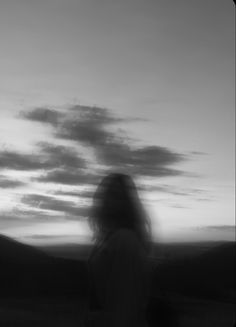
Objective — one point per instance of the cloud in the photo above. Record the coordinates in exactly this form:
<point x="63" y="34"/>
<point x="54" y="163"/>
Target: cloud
<point x="68" y="177"/>
<point x="86" y="194"/>
<point x="205" y="199"/>
<point x="178" y="206"/>
<point x="49" y="156"/>
<point x="33" y="213"/>
<point x="54" y="237"/>
<point x="219" y="228"/>
<point x="162" y="189"/>
<point x="24" y="217"/>
<point x="156" y="155"/>
<point x="147" y="161"/>
<point x="61" y="156"/>
<point x="59" y="240"/>
<point x="42" y="115"/>
<point x="43" y="236"/>
<point x="87" y="126"/>
<point x="113" y="150"/>
<point x="91" y="127"/>
<point x="9" y="183"/>
<point x="198" y="153"/>
<point x="46" y="202"/>
<point x="94" y="114"/>
<point x="80" y="123"/>
<point x="98" y="115"/>
<point x="20" y="161"/>
<point x="170" y="189"/>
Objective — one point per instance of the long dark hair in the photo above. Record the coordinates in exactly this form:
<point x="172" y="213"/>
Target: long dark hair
<point x="116" y="204"/>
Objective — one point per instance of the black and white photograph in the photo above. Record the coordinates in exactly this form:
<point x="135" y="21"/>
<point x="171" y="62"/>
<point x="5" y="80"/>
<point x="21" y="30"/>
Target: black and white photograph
<point x="117" y="163"/>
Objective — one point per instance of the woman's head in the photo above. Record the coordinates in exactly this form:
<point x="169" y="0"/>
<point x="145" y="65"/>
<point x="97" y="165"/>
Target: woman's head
<point x="116" y="205"/>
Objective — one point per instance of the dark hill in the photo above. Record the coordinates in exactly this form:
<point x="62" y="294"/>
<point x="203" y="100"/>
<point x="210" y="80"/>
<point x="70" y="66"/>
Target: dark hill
<point x="26" y="270"/>
<point x="12" y="251"/>
<point x="210" y="274"/>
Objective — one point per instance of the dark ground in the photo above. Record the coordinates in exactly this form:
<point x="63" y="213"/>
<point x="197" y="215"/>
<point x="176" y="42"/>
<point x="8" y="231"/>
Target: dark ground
<point x="41" y="289"/>
<point x="64" y="312"/>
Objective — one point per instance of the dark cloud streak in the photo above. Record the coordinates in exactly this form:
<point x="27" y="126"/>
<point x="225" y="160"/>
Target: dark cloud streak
<point x="163" y="188"/>
<point x="49" y="156"/>
<point x="89" y="126"/>
<point x="220" y="228"/>
<point x="87" y="194"/>
<point x="7" y="183"/>
<point x="68" y="177"/>
<point x="54" y="204"/>
<point x="61" y="156"/>
<point x="42" y="115"/>
<point x="20" y="161"/>
<point x="147" y="161"/>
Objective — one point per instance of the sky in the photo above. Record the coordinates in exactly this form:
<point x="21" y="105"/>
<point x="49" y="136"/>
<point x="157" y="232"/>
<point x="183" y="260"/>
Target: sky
<point x="144" y="87"/>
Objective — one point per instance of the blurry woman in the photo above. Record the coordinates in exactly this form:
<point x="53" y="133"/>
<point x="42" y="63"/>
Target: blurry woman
<point x="119" y="273"/>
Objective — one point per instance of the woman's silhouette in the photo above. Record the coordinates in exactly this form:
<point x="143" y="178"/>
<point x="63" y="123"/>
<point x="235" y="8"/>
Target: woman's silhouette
<point x="119" y="273"/>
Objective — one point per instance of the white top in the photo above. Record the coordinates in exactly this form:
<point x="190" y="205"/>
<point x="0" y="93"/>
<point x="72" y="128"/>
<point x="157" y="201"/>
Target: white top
<point x="120" y="276"/>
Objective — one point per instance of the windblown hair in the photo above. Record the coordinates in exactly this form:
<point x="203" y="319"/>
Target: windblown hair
<point x="116" y="204"/>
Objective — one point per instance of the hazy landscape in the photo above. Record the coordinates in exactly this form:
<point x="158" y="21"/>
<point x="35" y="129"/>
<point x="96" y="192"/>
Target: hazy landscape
<point x="47" y="286"/>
